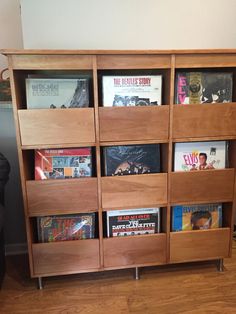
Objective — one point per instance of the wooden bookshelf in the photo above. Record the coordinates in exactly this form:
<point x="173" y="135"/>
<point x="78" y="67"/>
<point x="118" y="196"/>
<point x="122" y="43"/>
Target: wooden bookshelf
<point x="99" y="126"/>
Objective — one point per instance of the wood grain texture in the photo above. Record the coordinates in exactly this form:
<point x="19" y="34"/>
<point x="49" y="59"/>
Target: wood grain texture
<point x="133" y="61"/>
<point x="204" y="60"/>
<point x="193" y="288"/>
<point x="11" y="51"/>
<point x="199" y="245"/>
<point x="204" y="120"/>
<point x="57" y="62"/>
<point x="134" y="190"/>
<point x="65" y="257"/>
<point x="134" y="123"/>
<point x="134" y="250"/>
<point x="56" y="126"/>
<point x="202" y="186"/>
<point x="52" y="197"/>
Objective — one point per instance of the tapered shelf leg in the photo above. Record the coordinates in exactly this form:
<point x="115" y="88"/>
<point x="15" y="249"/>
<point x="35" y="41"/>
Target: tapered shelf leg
<point x="40" y="283"/>
<point x="137" y="274"/>
<point x="220" y="265"/>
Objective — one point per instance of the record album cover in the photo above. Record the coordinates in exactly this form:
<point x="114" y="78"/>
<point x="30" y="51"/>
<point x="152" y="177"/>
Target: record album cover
<point x="196" y="217"/>
<point x="63" y="163"/>
<point x="132" y="159"/>
<point x="45" y="93"/>
<point x="129" y="222"/>
<point x="135" y="90"/>
<point x="65" y="228"/>
<point x="203" y="87"/>
<point x="194" y="156"/>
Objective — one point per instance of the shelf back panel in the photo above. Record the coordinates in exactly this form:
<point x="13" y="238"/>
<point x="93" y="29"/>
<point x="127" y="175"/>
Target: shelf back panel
<point x="53" y="62"/>
<point x="207" y="60"/>
<point x="133" y="62"/>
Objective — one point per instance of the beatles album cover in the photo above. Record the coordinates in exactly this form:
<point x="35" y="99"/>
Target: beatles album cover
<point x="129" y="222"/>
<point x="45" y="93"/>
<point x="196" y="217"/>
<point x="63" y="163"/>
<point x="135" y="90"/>
<point x="194" y="156"/>
<point x="203" y="87"/>
<point x="65" y="228"/>
<point x="132" y="159"/>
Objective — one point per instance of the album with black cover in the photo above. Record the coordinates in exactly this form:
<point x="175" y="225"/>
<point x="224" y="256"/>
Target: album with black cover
<point x="132" y="159"/>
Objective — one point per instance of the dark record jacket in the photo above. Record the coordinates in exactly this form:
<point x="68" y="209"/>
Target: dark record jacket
<point x="132" y="159"/>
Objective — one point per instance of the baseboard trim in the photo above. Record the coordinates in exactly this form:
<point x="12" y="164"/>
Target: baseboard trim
<point x="16" y="249"/>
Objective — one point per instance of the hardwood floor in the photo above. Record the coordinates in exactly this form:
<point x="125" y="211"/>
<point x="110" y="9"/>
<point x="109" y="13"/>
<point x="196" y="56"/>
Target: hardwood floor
<point x="187" y="288"/>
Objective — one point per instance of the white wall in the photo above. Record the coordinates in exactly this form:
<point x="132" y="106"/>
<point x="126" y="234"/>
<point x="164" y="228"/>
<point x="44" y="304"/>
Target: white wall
<point x="129" y="24"/>
<point x="10" y="27"/>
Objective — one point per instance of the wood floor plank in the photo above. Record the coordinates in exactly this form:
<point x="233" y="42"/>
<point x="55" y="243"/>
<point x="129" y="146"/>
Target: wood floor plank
<point x="193" y="288"/>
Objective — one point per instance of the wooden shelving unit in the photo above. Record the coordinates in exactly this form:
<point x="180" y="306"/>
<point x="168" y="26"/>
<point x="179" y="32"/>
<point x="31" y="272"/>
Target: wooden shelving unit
<point x="99" y="126"/>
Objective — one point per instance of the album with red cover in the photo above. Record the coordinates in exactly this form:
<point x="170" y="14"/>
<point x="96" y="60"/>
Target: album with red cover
<point x="66" y="227"/>
<point x="63" y="163"/>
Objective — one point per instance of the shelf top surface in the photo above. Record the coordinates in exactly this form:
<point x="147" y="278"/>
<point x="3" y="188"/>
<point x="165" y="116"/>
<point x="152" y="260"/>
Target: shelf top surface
<point x="112" y="52"/>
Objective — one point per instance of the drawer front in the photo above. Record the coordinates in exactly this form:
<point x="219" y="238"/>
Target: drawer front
<point x="135" y="123"/>
<point x="62" y="196"/>
<point x="134" y="190"/>
<point x="205" y="120"/>
<point x="53" y="126"/>
<point x="202" y="186"/>
<point x="199" y="245"/>
<point x="135" y="250"/>
<point x="65" y="257"/>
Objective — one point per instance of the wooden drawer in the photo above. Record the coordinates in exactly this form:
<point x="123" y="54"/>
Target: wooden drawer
<point x="202" y="186"/>
<point x="199" y="245"/>
<point x="134" y="250"/>
<point x="66" y="257"/>
<point x="56" y="126"/>
<point x="134" y="190"/>
<point x="50" y="62"/>
<point x="204" y="121"/>
<point x="51" y="197"/>
<point x="133" y="61"/>
<point x="134" y="123"/>
<point x="205" y="60"/>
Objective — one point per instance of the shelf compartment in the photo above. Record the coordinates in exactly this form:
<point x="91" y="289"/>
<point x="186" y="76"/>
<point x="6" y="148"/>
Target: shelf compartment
<point x="52" y="197"/>
<point x="66" y="257"/>
<point x="134" y="190"/>
<point x="134" y="123"/>
<point x="56" y="126"/>
<point x="134" y="250"/>
<point x="133" y="62"/>
<point x="199" y="245"/>
<point x="205" y="60"/>
<point x="202" y="186"/>
<point x="49" y="62"/>
<point x="204" y="121"/>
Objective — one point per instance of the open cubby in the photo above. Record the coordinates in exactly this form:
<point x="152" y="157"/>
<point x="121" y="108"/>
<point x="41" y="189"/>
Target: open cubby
<point x="21" y="75"/>
<point x="129" y="72"/>
<point x="98" y="127"/>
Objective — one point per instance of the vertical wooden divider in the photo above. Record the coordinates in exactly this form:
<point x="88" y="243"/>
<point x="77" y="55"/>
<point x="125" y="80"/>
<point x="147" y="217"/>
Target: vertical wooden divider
<point x="170" y="156"/>
<point x="15" y="100"/>
<point x="98" y="159"/>
<point x="233" y="165"/>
